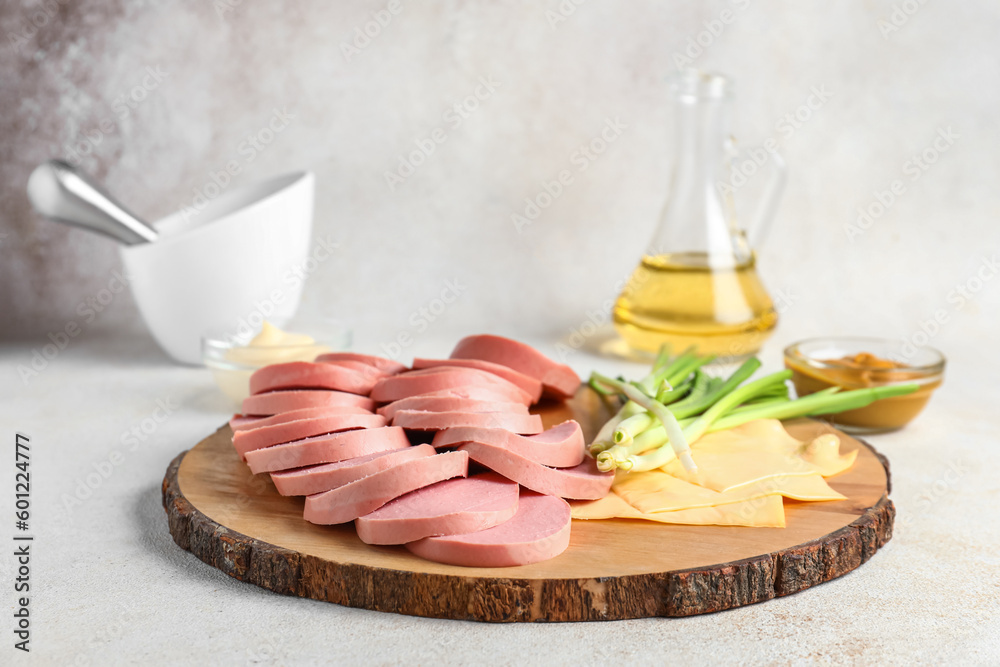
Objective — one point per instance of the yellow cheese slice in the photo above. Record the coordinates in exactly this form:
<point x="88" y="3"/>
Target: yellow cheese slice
<point x="824" y="453"/>
<point x="657" y="491"/>
<point x="767" y="435"/>
<point x="765" y="512"/>
<point x="757" y="450"/>
<point x="721" y="471"/>
<point x="742" y="475"/>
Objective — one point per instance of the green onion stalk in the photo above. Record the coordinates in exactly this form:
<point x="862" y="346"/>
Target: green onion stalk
<point x="826" y="402"/>
<point x="700" y="385"/>
<point x="663" y="367"/>
<point x="645" y="434"/>
<point x="678" y="442"/>
<point x="604" y="438"/>
<point x="701" y="397"/>
<point x="662" y="455"/>
<point x="712" y="398"/>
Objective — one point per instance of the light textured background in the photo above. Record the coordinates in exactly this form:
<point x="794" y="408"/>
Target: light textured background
<point x="452" y="218"/>
<point x="112" y="588"/>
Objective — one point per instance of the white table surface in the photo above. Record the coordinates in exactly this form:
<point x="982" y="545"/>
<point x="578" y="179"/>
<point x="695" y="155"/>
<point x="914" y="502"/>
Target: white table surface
<point x="109" y="586"/>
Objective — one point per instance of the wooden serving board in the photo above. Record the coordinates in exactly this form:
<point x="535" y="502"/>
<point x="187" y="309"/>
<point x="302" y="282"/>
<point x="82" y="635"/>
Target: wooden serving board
<point x="613" y="569"/>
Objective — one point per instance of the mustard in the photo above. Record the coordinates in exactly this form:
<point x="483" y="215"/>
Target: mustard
<point x="270" y="346"/>
<point x="274" y="346"/>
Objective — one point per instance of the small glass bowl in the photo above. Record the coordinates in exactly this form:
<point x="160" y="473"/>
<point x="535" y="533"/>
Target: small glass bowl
<point x="818" y="364"/>
<point x="232" y="363"/>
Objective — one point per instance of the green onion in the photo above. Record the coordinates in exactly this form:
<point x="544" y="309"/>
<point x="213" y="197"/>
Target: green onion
<point x="734" y="398"/>
<point x="671" y="396"/>
<point x="678" y="442"/>
<point x="599" y="389"/>
<point x="687" y="368"/>
<point x="633" y="426"/>
<point x="699" y="386"/>
<point x="662" y="368"/>
<point x="814" y="404"/>
<point x="820" y="403"/>
<point x="645" y="434"/>
<point x="604" y="438"/>
<point x="748" y="368"/>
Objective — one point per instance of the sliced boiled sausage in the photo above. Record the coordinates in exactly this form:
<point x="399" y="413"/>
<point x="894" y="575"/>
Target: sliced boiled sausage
<point x="582" y="482"/>
<point x="245" y="423"/>
<point x="268" y="436"/>
<point x="415" y="383"/>
<point x="316" y="479"/>
<point x="388" y="365"/>
<point x="540" y="530"/>
<point x="326" y="449"/>
<point x="525" y="382"/>
<point x="452" y="507"/>
<point x="276" y="402"/>
<point x="238" y="421"/>
<point x="449" y="404"/>
<point x="559" y="447"/>
<point x="360" y="367"/>
<point x="474" y="393"/>
<point x="419" y="420"/>
<point x="310" y="375"/>
<point x="559" y="380"/>
<point x="366" y="495"/>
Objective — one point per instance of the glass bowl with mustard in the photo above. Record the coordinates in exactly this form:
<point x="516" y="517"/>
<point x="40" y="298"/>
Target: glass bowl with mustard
<point x="854" y="363"/>
<point x="233" y="358"/>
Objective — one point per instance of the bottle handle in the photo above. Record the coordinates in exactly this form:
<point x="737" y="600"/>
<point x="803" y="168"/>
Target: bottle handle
<point x="759" y="222"/>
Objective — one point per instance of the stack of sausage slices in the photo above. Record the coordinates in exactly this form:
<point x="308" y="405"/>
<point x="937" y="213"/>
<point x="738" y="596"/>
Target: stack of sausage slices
<point x="368" y="440"/>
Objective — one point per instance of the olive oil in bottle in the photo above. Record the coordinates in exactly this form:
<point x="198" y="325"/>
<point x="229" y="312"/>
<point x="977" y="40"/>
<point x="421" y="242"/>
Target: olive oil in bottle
<point x="697" y="285"/>
<point x="682" y="300"/>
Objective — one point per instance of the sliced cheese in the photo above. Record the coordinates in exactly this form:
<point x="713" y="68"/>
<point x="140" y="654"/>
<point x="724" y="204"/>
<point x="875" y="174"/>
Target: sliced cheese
<point x="657" y="491"/>
<point x="767" y="435"/>
<point x="824" y="453"/>
<point x="722" y="471"/>
<point x="743" y="474"/>
<point x="757" y="450"/>
<point x="765" y="512"/>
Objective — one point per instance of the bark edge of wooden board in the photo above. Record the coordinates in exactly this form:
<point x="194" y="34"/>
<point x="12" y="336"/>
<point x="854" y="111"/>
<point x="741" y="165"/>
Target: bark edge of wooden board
<point x="461" y="596"/>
